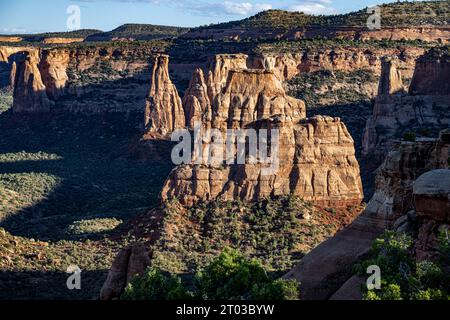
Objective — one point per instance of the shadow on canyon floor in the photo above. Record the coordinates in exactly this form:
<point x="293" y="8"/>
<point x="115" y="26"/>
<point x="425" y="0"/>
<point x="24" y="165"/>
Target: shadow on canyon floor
<point x="35" y="285"/>
<point x="86" y="160"/>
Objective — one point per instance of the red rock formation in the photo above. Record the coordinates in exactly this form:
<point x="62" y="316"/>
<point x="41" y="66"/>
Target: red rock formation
<point x="163" y="111"/>
<point x="196" y="102"/>
<point x="29" y="90"/>
<point x="432" y="195"/>
<point x="129" y="262"/>
<point x="391" y="78"/>
<point x="428" y="34"/>
<point x="317" y="163"/>
<point x="432" y="74"/>
<point x="316" y="156"/>
<point x="394" y="115"/>
<point x="326" y="272"/>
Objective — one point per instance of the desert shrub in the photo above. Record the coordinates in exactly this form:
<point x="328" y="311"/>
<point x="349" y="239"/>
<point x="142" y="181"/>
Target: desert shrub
<point x="409" y="136"/>
<point x="89" y="226"/>
<point x="402" y="278"/>
<point x="6" y="100"/>
<point x="230" y="276"/>
<point x="155" y="285"/>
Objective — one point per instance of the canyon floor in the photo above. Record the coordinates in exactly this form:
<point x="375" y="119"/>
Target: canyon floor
<point x="69" y="187"/>
<point x="64" y="186"/>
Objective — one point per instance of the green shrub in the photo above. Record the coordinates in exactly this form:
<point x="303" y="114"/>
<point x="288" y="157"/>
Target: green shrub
<point x="402" y="278"/>
<point x="155" y="285"/>
<point x="230" y="276"/>
<point x="409" y="136"/>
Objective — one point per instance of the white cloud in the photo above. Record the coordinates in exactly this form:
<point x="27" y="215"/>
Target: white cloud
<point x="12" y="30"/>
<point x="316" y="7"/>
<point x="207" y="7"/>
<point x="244" y="8"/>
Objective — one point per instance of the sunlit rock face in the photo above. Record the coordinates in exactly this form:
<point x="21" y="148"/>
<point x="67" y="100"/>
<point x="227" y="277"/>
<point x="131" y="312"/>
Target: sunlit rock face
<point x="163" y="110"/>
<point x="316" y="156"/>
<point x="30" y="92"/>
<point x="411" y="196"/>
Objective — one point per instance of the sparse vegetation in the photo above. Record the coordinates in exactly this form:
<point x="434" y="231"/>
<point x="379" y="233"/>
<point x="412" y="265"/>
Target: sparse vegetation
<point x="277" y="231"/>
<point x="138" y="32"/>
<point x="6" y="100"/>
<point x="64" y="188"/>
<point x="402" y="277"/>
<point x="230" y="276"/>
<point x="409" y="136"/>
<point x="404" y="13"/>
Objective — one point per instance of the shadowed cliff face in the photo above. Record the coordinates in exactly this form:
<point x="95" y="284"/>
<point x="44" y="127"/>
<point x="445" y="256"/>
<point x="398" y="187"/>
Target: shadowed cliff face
<point x="423" y="112"/>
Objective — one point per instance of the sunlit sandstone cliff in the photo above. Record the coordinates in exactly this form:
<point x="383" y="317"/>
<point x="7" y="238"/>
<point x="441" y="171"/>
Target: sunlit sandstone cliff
<point x="425" y="33"/>
<point x="401" y="195"/>
<point x="163" y="110"/>
<point x="84" y="79"/>
<point x="316" y="156"/>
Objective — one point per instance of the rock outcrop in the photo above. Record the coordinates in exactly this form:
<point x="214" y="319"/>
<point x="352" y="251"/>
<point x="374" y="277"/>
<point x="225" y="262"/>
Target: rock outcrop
<point x="432" y="195"/>
<point x="317" y="163"/>
<point x="53" y="68"/>
<point x="390" y="79"/>
<point x="432" y="74"/>
<point x="423" y="112"/>
<point x="129" y="262"/>
<point x="287" y="65"/>
<point x="425" y="33"/>
<point x="88" y="79"/>
<point x="29" y="90"/>
<point x="56" y="40"/>
<point x="316" y="156"/>
<point x="163" y="110"/>
<point x="326" y="272"/>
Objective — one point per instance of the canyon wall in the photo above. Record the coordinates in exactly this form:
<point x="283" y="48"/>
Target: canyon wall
<point x="428" y="34"/>
<point x="87" y="79"/>
<point x="286" y="64"/>
<point x="316" y="156"/>
<point x="422" y="112"/>
<point x="326" y="272"/>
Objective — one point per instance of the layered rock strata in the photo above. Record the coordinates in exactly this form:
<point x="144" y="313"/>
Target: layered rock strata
<point x="315" y="157"/>
<point x="84" y="79"/>
<point x="163" y="110"/>
<point x="425" y="33"/>
<point x="424" y="111"/>
<point x="29" y="89"/>
<point x="326" y="272"/>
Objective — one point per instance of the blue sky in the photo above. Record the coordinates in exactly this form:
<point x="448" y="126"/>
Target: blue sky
<point x="32" y="16"/>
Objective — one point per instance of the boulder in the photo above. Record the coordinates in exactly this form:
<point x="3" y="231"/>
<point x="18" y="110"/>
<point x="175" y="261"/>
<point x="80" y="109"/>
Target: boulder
<point x="432" y="195"/>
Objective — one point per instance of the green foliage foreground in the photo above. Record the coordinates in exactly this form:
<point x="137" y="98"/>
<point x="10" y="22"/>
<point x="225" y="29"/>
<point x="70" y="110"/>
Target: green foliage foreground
<point x="230" y="276"/>
<point x="403" y="278"/>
